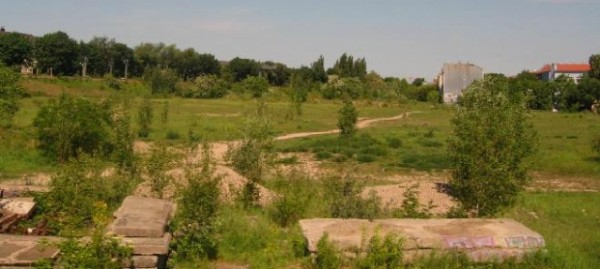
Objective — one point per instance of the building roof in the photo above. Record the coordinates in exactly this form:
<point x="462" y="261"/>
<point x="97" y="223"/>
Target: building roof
<point x="565" y="68"/>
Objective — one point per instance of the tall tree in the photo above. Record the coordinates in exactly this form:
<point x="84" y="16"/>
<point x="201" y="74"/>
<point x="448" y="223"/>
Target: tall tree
<point x="57" y="52"/>
<point x="14" y="49"/>
<point x="595" y="66"/>
<point x="318" y="69"/>
<point x="489" y="148"/>
<point x="241" y="68"/>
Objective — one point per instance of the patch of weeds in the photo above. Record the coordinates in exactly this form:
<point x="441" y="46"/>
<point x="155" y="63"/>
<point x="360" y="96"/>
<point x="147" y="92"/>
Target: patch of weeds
<point x="365" y="158"/>
<point x="344" y="194"/>
<point x="287" y="160"/>
<point x="411" y="206"/>
<point x="173" y="135"/>
<point x="322" y="155"/>
<point x="382" y="253"/>
<point x="571" y="137"/>
<point x="394" y="142"/>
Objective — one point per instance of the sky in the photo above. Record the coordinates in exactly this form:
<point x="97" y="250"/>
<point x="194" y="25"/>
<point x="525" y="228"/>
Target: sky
<point x="402" y="38"/>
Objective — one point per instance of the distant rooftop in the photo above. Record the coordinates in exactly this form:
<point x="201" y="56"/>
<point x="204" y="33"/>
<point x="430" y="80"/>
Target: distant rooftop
<point x="564" y="68"/>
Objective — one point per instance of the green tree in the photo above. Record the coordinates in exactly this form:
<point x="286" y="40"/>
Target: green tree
<point x="145" y="117"/>
<point x="489" y="148"/>
<point x="347" y="118"/>
<point x="240" y="68"/>
<point x="161" y="81"/>
<point x="594" y="66"/>
<point x="207" y="86"/>
<point x="14" y="48"/>
<point x="10" y="93"/>
<point x="318" y="70"/>
<point x="255" y="86"/>
<point x="67" y="126"/>
<point x="57" y="53"/>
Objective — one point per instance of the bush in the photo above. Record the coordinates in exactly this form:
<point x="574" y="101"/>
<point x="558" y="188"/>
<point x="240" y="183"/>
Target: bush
<point x="67" y="126"/>
<point x="347" y="118"/>
<point x="194" y="223"/>
<point x="255" y="86"/>
<point x="145" y="117"/>
<point x="207" y="86"/>
<point x="173" y="135"/>
<point x="160" y="161"/>
<point x="411" y="206"/>
<point x="344" y="194"/>
<point x="112" y="82"/>
<point x="491" y="142"/>
<point x="385" y="254"/>
<point x="10" y="93"/>
<point x="291" y="206"/>
<point x="328" y="257"/>
<point x="161" y="81"/>
<point x="70" y="204"/>
<point x="102" y="252"/>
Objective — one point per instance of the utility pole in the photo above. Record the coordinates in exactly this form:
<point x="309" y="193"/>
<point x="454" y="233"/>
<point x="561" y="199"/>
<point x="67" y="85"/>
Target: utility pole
<point x="84" y="66"/>
<point x="126" y="62"/>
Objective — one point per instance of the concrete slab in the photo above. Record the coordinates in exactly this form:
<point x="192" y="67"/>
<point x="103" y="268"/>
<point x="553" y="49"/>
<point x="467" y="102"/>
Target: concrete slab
<point x="149" y="245"/>
<point x="25" y="250"/>
<point x="18" y="205"/>
<point x="480" y="239"/>
<point x="142" y="217"/>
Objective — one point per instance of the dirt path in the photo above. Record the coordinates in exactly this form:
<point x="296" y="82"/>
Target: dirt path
<point x="360" y="125"/>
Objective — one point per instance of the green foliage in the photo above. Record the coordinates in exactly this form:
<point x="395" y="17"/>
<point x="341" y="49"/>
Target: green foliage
<point x="208" y="86"/>
<point x="14" y="49"/>
<point x="164" y="113"/>
<point x="489" y="148"/>
<point x="71" y="203"/>
<point x="344" y="194"/>
<point x="194" y="223"/>
<point x="382" y="254"/>
<point x="240" y="68"/>
<point x="346" y="66"/>
<point x="173" y="135"/>
<point x="290" y="207"/>
<point x="10" y="93"/>
<point x="161" y="81"/>
<point x="411" y="206"/>
<point x="328" y="257"/>
<point x="56" y="53"/>
<point x="145" y="117"/>
<point x="583" y="95"/>
<point x="596" y="144"/>
<point x="101" y="252"/>
<point x="112" y="82"/>
<point x="594" y="66"/>
<point x="67" y="126"/>
<point x="159" y="162"/>
<point x="255" y="86"/>
<point x="122" y="140"/>
<point x="347" y="118"/>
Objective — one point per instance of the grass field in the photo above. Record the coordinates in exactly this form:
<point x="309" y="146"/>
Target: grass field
<point x="569" y="221"/>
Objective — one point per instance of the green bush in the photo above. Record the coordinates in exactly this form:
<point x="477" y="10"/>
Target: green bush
<point x="411" y="206"/>
<point x="328" y="257"/>
<point x="292" y="205"/>
<point x="347" y="118"/>
<point x="194" y="222"/>
<point x="394" y="142"/>
<point x="102" y="252"/>
<point x="384" y="254"/>
<point x="173" y="135"/>
<point x="322" y="155"/>
<point x="145" y="117"/>
<point x="67" y="126"/>
<point x="70" y="204"/>
<point x="207" y="86"/>
<point x="161" y="81"/>
<point x="255" y="86"/>
<point x="10" y="93"/>
<point x="345" y="200"/>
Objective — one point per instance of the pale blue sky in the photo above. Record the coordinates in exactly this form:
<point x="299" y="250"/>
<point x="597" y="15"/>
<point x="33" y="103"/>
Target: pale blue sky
<point x="406" y="38"/>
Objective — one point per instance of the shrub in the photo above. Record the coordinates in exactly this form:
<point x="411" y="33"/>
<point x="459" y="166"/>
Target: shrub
<point x="347" y="118"/>
<point x="112" y="82"/>
<point x="328" y="257"/>
<point x="365" y="158"/>
<point x="102" y="252"/>
<point x="491" y="142"/>
<point x="411" y="206"/>
<point x="145" y="117"/>
<point x="159" y="162"/>
<point x="160" y="81"/>
<point x="344" y="194"/>
<point x="10" y="93"/>
<point x="71" y="201"/>
<point x="291" y="206"/>
<point x="67" y="126"/>
<point x="386" y="253"/>
<point x="255" y="86"/>
<point x="173" y="135"/>
<point x="194" y="223"/>
<point x="208" y="86"/>
<point x="394" y="142"/>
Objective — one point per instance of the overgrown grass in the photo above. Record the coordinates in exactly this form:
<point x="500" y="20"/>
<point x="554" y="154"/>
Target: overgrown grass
<point x="569" y="222"/>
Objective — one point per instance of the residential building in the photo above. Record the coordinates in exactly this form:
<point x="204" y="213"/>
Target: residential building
<point x="455" y="77"/>
<point x="554" y="70"/>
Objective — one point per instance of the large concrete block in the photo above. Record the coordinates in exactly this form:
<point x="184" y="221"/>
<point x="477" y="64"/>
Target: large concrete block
<point x="142" y="217"/>
<point x="149" y="245"/>
<point x="18" y="205"/>
<point x="480" y="239"/>
<point x="24" y="250"/>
